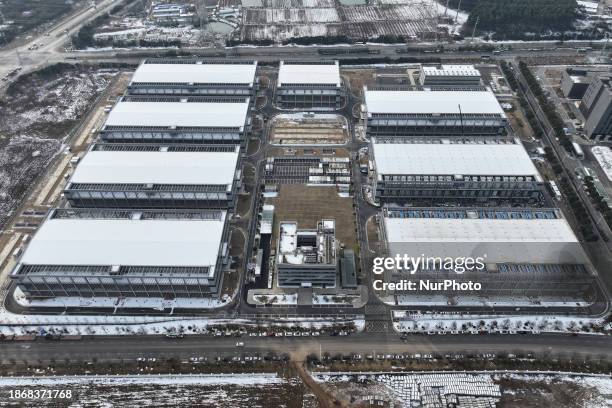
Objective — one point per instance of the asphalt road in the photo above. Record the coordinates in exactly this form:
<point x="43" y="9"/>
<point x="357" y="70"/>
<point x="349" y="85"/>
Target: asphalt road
<point x="127" y="348"/>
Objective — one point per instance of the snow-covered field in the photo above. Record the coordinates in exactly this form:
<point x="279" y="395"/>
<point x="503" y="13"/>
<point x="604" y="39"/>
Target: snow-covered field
<point x="35" y="119"/>
<point x="472" y="389"/>
<point x="234" y="390"/>
<point x="405" y="322"/>
<point x="290" y="19"/>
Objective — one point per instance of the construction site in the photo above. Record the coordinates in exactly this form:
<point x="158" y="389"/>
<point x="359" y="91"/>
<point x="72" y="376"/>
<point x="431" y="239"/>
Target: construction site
<point x="309" y="128"/>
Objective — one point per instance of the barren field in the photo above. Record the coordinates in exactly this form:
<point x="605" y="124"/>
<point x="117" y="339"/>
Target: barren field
<point x="281" y="20"/>
<point x="37" y="115"/>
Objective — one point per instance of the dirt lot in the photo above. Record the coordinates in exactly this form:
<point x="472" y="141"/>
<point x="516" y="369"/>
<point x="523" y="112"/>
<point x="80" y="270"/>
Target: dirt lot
<point x="301" y="129"/>
<point x="37" y="115"/>
<point x="307" y="205"/>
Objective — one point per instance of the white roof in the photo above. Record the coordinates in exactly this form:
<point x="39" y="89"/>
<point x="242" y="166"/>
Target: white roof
<point x="471" y="102"/>
<point x="134" y="167"/>
<point x="196" y="73"/>
<point x="451" y="70"/>
<point x="126" y="242"/>
<point x="478" y="230"/>
<point x="498" y="240"/>
<point x="453" y="159"/>
<point x="179" y="114"/>
<point x="308" y="74"/>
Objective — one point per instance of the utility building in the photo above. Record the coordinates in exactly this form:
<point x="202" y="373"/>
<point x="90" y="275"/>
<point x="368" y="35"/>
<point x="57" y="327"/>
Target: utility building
<point x="389" y="112"/>
<point x="449" y="75"/>
<point x="520" y="255"/>
<point x="312" y="86"/>
<point x="194" y="77"/>
<point x="154" y="176"/>
<point x="307" y="258"/>
<point x="432" y="171"/>
<point x="123" y="253"/>
<point x="197" y="120"/>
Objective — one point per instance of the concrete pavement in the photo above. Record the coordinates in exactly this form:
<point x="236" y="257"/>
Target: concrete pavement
<point x="118" y="348"/>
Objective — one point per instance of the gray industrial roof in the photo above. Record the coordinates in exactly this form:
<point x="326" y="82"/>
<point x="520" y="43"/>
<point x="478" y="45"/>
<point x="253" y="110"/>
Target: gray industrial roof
<point x="309" y="74"/>
<point x="179" y="114"/>
<point x="453" y="159"/>
<point x="142" y="167"/>
<point x="195" y="73"/>
<point x="151" y="242"/>
<point x="549" y="241"/>
<point x="432" y="102"/>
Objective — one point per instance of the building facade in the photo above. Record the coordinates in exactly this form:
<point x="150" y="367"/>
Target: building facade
<point x="430" y="171"/>
<point x="310" y="86"/>
<point x="171" y="120"/>
<point x="597" y="109"/>
<point x="521" y="255"/>
<point x="122" y="253"/>
<point x="153" y="176"/>
<point x="406" y="113"/>
<point x="459" y="75"/>
<point x="194" y="77"/>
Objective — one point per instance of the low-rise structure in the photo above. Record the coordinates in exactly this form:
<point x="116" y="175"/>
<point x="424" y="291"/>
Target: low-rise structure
<point x="311" y="86"/>
<point x="194" y="77"/>
<point x="154" y="176"/>
<point x="449" y="75"/>
<point x="405" y="113"/>
<point x="527" y="255"/>
<point x="436" y="171"/>
<point x="125" y="253"/>
<point x="195" y="120"/>
<point x="307" y="258"/>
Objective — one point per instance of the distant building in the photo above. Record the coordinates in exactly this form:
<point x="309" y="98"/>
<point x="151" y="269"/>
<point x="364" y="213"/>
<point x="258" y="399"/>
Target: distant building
<point x="400" y="113"/>
<point x="597" y="108"/>
<point x="574" y="83"/>
<point x="173" y="12"/>
<point x="125" y="253"/>
<point x="436" y="171"/>
<point x="194" y="77"/>
<point x="307" y="258"/>
<point x="311" y="86"/>
<point x="153" y="176"/>
<point x="449" y="75"/>
<point x="193" y="120"/>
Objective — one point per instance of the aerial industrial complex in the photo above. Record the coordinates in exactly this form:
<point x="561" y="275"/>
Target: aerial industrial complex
<point x="186" y="164"/>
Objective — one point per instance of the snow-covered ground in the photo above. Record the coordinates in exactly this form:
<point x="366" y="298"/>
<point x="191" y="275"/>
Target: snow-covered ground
<point x="191" y="379"/>
<point x="276" y="299"/>
<point x="405" y="322"/>
<point x="122" y="303"/>
<point x="472" y="389"/>
<point x="334" y="299"/>
<point x="440" y="300"/>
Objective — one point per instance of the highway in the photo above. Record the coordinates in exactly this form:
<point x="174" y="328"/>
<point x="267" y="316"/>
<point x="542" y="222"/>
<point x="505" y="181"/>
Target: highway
<point x="53" y="42"/>
<point x="128" y="348"/>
